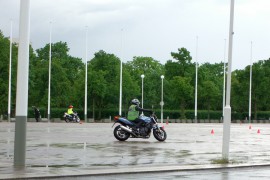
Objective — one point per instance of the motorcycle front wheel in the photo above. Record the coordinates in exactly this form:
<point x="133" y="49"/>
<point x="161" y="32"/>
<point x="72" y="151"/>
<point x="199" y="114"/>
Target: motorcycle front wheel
<point x="120" y="134"/>
<point x="160" y="134"/>
<point x="66" y="119"/>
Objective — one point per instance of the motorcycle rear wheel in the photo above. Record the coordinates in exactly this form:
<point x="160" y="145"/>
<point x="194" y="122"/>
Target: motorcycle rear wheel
<point x="160" y="134"/>
<point x="120" y="134"/>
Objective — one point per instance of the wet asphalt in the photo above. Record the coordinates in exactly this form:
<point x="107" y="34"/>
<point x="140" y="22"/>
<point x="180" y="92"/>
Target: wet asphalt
<point x="73" y="149"/>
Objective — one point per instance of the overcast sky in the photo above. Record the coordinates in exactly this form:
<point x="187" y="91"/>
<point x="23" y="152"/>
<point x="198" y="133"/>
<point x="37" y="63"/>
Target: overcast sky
<point x="152" y="28"/>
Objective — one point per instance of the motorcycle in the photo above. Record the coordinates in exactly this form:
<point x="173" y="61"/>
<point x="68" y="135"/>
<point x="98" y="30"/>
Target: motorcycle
<point x="128" y="129"/>
<point x="71" y="118"/>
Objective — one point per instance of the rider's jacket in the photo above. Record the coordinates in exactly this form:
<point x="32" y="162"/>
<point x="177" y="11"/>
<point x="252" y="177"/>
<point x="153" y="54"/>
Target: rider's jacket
<point x="70" y="111"/>
<point x="132" y="113"/>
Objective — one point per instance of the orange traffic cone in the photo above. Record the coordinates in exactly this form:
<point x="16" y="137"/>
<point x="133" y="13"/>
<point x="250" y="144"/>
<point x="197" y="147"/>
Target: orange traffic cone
<point x="249" y="126"/>
<point x="212" y="132"/>
<point x="258" y="131"/>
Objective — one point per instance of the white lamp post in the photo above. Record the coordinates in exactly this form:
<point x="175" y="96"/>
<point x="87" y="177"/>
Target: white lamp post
<point x="224" y="79"/>
<point x="49" y="83"/>
<point x="9" y="77"/>
<point x="196" y="80"/>
<point x="227" y="109"/>
<point x="161" y="103"/>
<point x="85" y="96"/>
<point x="121" y="74"/>
<point x="250" y="84"/>
<point x="142" y="76"/>
<point x="22" y="85"/>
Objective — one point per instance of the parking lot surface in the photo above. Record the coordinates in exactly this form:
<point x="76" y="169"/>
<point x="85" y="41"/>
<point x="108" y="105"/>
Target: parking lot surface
<point x="73" y="149"/>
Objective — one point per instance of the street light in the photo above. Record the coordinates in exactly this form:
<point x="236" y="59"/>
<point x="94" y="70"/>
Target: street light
<point x="22" y="85"/>
<point x="196" y="80"/>
<point x="121" y="75"/>
<point x="49" y="81"/>
<point x="9" y="76"/>
<point x="142" y="76"/>
<point x="250" y="84"/>
<point x="224" y="80"/>
<point x="227" y="109"/>
<point x="85" y="88"/>
<point x="161" y="103"/>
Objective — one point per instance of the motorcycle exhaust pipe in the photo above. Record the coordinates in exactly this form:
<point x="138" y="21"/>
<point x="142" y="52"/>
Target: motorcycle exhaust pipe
<point x="128" y="130"/>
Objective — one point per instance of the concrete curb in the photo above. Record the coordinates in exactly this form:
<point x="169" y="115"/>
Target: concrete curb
<point x="129" y="170"/>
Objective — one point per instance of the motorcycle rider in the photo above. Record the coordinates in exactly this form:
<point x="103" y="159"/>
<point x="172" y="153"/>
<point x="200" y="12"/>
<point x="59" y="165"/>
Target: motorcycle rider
<point x="70" y="111"/>
<point x="134" y="112"/>
<point x="37" y="113"/>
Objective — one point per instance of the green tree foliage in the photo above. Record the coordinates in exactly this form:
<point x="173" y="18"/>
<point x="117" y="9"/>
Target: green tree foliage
<point x="103" y="82"/>
<point x="59" y="50"/>
<point x="209" y="94"/>
<point x="68" y="82"/>
<point x="210" y="86"/>
<point x="181" y="91"/>
<point x="260" y="91"/>
<point x="183" y="59"/>
<point x="99" y="88"/>
<point x="65" y="71"/>
<point x="180" y="75"/>
<point x="240" y="85"/>
<point x="130" y="89"/>
<point x="4" y="73"/>
<point x="152" y="70"/>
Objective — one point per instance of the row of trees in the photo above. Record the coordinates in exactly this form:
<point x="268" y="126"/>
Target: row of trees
<point x="68" y="74"/>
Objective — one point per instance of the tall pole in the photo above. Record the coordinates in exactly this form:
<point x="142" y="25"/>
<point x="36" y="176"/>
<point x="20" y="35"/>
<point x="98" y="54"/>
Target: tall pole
<point x="49" y="82"/>
<point x="250" y="84"/>
<point x="142" y="76"/>
<point x="227" y="109"/>
<point x="196" y="80"/>
<point x="22" y="85"/>
<point x="9" y="76"/>
<point x="162" y="102"/>
<point x="224" y="79"/>
<point x="121" y="74"/>
<point x="85" y="96"/>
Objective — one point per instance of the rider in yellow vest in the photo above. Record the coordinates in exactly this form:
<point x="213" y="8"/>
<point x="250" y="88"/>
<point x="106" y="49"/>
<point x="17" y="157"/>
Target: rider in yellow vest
<point x="134" y="112"/>
<point x="70" y="110"/>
